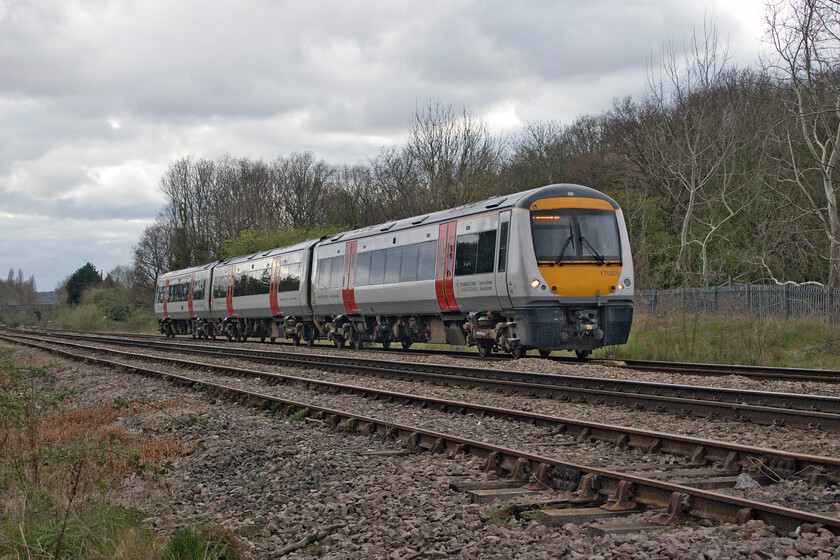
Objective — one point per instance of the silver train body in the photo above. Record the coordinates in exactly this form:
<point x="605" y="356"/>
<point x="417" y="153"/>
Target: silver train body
<point x="547" y="269"/>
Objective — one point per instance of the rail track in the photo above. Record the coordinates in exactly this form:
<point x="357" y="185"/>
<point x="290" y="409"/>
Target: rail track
<point x="706" y="369"/>
<point x="627" y="490"/>
<point x="761" y="407"/>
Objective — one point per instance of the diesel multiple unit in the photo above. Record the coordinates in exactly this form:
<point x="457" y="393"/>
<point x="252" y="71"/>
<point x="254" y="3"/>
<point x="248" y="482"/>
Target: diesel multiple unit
<point x="547" y="269"/>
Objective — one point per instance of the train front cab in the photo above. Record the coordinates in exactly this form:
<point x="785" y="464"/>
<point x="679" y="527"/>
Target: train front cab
<point x="571" y="284"/>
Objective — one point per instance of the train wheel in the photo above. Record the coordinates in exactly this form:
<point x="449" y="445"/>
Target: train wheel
<point x="484" y="349"/>
<point x="262" y="338"/>
<point x="545" y="353"/>
<point x="272" y="339"/>
<point x="358" y="341"/>
<point x="518" y="352"/>
<point x="386" y="344"/>
<point x="406" y="344"/>
<point x="582" y="354"/>
<point x="339" y="342"/>
<point x="310" y="338"/>
<point x="295" y="340"/>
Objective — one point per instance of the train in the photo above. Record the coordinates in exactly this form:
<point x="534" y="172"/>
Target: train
<point x="544" y="269"/>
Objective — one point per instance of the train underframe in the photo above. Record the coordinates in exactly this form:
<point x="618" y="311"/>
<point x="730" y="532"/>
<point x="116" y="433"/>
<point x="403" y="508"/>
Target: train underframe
<point x="579" y="328"/>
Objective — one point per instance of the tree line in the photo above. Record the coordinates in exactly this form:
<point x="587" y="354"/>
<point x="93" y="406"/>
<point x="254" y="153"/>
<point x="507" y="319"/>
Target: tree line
<point x="726" y="175"/>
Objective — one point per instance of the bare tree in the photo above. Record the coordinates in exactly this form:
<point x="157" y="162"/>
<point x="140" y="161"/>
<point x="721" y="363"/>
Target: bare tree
<point x="302" y="183"/>
<point x="692" y="141"/>
<point x="806" y="37"/>
<point x="152" y="256"/>
<point x="455" y="157"/>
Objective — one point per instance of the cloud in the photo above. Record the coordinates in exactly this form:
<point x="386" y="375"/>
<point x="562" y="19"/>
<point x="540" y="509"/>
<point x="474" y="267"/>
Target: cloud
<point x="97" y="98"/>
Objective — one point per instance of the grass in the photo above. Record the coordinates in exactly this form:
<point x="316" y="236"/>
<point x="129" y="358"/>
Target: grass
<point x="57" y="463"/>
<point x="88" y="317"/>
<point x="732" y="339"/>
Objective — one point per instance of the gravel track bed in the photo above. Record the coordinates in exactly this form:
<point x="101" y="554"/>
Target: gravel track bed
<point x="504" y="432"/>
<point x="539" y="365"/>
<point x="275" y="482"/>
<point x="795" y="440"/>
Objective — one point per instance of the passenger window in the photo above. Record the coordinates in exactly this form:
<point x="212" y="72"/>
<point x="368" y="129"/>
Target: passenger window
<point x="426" y="260"/>
<point x="408" y="268"/>
<point x="337" y="272"/>
<point x="324" y="271"/>
<point x="486" y="251"/>
<point x="503" y="240"/>
<point x="465" y="254"/>
<point x="377" y="267"/>
<point x="392" y="264"/>
<point x="289" y="280"/>
<point x="362" y="269"/>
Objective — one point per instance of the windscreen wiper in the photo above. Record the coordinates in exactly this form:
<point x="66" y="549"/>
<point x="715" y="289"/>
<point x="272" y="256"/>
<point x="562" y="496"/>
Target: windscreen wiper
<point x="595" y="253"/>
<point x="569" y="239"/>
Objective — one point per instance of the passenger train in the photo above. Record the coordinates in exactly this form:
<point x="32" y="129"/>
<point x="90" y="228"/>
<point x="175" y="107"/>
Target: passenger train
<point x="546" y="269"/>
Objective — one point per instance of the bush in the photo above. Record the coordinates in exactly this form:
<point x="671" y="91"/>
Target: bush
<point x="113" y="302"/>
<point x="85" y="317"/>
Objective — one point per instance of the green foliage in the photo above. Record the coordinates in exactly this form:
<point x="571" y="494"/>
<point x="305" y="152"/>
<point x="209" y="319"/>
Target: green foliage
<point x="85" y="277"/>
<point x="299" y="415"/>
<point x="731" y="339"/>
<point x="111" y="301"/>
<point x="201" y="544"/>
<point x="85" y="317"/>
<point x="251" y="241"/>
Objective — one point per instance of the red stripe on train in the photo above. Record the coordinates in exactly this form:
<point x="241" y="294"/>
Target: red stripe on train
<point x="166" y="300"/>
<point x="190" y="299"/>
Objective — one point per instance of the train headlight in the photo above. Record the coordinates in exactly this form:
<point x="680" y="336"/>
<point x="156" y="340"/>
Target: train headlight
<point x="620" y="287"/>
<point x="535" y="283"/>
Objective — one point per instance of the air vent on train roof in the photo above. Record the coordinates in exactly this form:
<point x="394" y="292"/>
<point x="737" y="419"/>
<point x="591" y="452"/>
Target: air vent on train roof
<point x="386" y="227"/>
<point x="337" y="237"/>
<point x="420" y="220"/>
<point x="496" y="203"/>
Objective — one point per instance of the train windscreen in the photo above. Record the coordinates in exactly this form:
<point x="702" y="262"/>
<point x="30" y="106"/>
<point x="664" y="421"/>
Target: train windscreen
<point x="575" y="235"/>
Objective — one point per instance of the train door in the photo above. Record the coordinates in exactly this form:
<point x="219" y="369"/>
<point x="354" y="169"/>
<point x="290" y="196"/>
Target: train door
<point x="229" y="295"/>
<point x="272" y="290"/>
<point x="444" y="283"/>
<point x="501" y="261"/>
<point x="190" y="297"/>
<point x="348" y="294"/>
<point x="166" y="299"/>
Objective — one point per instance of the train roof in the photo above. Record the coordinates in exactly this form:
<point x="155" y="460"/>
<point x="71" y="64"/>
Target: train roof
<point x="185" y="271"/>
<point x="522" y="199"/>
<point x="270" y="252"/>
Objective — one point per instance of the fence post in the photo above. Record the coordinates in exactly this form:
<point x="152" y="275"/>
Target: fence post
<point x="715" y="304"/>
<point x="786" y="299"/>
<point x="653" y="302"/>
<point x="749" y="298"/>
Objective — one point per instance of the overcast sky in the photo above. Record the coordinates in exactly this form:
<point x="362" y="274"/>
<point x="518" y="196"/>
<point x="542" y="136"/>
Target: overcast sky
<point x="98" y="98"/>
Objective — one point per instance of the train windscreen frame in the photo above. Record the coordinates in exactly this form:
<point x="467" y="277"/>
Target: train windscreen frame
<point x="569" y="235"/>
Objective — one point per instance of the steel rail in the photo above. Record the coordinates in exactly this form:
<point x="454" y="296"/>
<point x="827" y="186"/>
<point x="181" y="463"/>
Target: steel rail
<point x="691" y="368"/>
<point x="731" y="456"/>
<point x="762" y="407"/>
<point x="627" y="489"/>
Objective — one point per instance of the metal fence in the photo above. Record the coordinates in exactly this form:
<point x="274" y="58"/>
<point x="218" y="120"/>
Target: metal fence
<point x="781" y="301"/>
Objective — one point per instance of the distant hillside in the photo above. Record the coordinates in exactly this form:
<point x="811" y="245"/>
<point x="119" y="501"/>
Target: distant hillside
<point x="48" y="297"/>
